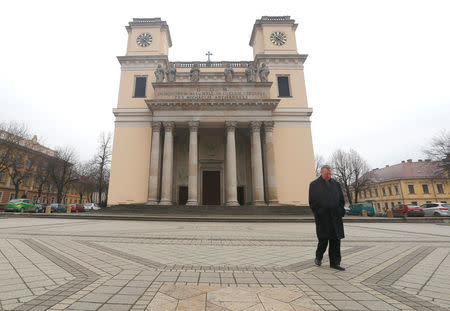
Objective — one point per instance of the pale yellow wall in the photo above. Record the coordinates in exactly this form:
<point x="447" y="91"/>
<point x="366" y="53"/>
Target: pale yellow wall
<point x="263" y="45"/>
<point x="297" y="87"/>
<point x="130" y="165"/>
<point x="157" y="47"/>
<point x="126" y="91"/>
<point x="294" y="163"/>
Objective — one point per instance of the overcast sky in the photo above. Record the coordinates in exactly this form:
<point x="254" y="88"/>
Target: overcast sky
<point x="377" y="74"/>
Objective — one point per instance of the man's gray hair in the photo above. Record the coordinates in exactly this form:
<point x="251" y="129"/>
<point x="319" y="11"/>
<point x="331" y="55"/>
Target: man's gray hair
<point x="326" y="166"/>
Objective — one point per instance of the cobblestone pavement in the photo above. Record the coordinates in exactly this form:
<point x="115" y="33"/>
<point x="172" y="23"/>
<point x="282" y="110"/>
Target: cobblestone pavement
<point x="67" y="264"/>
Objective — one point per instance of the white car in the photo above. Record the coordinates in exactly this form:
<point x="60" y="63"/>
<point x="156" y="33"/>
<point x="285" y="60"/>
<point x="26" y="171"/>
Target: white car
<point x="436" y="209"/>
<point x="91" y="207"/>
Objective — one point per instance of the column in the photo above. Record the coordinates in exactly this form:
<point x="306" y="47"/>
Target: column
<point x="193" y="163"/>
<point x="272" y="195"/>
<point x="257" y="167"/>
<point x="230" y="163"/>
<point x="154" y="165"/>
<point x="167" y="173"/>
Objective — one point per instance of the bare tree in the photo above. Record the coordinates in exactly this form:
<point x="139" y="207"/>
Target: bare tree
<point x="360" y="170"/>
<point x="101" y="163"/>
<point x="342" y="170"/>
<point x="11" y="136"/>
<point x="318" y="162"/>
<point x="62" y="170"/>
<point x="85" y="185"/>
<point x="351" y="170"/>
<point x="439" y="150"/>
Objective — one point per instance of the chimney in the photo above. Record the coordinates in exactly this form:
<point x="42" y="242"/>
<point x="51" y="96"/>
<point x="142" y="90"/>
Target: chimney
<point x="420" y="160"/>
<point x="427" y="160"/>
<point x="409" y="160"/>
<point x="403" y="161"/>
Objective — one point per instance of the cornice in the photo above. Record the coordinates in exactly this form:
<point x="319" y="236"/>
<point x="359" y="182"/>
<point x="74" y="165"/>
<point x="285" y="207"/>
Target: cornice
<point x="139" y="62"/>
<point x="208" y="105"/>
<point x="281" y="61"/>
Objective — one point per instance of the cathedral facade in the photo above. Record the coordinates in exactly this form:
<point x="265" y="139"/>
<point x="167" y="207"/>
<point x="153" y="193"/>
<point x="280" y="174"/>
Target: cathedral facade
<point x="212" y="133"/>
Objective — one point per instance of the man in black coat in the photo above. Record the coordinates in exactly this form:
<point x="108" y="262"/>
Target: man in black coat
<point x="327" y="203"/>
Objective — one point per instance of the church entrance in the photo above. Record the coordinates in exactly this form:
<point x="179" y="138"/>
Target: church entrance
<point x="211" y="188"/>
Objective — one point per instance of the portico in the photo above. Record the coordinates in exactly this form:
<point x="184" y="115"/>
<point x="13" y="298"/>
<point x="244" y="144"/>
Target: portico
<point x="208" y="137"/>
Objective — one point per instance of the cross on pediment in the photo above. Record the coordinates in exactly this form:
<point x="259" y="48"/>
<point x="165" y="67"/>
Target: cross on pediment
<point x="209" y="54"/>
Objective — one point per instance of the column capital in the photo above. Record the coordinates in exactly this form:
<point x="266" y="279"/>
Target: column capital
<point x="255" y="126"/>
<point x="156" y="126"/>
<point x="168" y="125"/>
<point x="268" y="126"/>
<point x="230" y="125"/>
<point x="193" y="126"/>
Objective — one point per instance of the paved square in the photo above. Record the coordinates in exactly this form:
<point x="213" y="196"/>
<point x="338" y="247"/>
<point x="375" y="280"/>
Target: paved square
<point x="73" y="264"/>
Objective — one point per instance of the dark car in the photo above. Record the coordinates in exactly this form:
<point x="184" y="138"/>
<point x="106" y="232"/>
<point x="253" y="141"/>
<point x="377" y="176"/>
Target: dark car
<point x="407" y="209"/>
<point x="55" y="207"/>
<point x="2" y="206"/>
<point x="41" y="207"/>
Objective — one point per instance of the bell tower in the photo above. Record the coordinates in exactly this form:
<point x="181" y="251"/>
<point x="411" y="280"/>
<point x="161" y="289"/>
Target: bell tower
<point x="274" y="35"/>
<point x="147" y="37"/>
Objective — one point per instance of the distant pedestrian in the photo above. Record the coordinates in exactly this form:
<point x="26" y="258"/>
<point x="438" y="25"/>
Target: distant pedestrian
<point x="326" y="201"/>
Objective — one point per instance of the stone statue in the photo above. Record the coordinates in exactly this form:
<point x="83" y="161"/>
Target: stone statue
<point x="171" y="73"/>
<point x="263" y="72"/>
<point x="250" y="72"/>
<point x="159" y="73"/>
<point x="228" y="73"/>
<point x="195" y="73"/>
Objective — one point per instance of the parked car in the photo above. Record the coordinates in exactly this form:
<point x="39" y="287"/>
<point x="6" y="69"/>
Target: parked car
<point x="75" y="208"/>
<point x="91" y="207"/>
<point x="380" y="214"/>
<point x="21" y="205"/>
<point x="58" y="208"/>
<point x="347" y="210"/>
<point x="2" y="206"/>
<point x="41" y="207"/>
<point x="436" y="209"/>
<point x="407" y="209"/>
<point x="357" y="208"/>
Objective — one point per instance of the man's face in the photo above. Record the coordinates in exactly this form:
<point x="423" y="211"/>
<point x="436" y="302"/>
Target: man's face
<point x="326" y="174"/>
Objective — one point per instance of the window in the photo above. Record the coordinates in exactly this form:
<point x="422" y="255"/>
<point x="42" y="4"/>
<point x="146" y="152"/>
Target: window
<point x="396" y="190"/>
<point x="392" y="204"/>
<point x="440" y="188"/>
<point x="370" y="192"/>
<point x="139" y="87"/>
<point x="28" y="164"/>
<point x="390" y="190"/>
<point x="44" y="200"/>
<point x="425" y="189"/>
<point x="365" y="194"/>
<point x="378" y="205"/>
<point x="12" y="196"/>
<point x="384" y="191"/>
<point x="414" y="202"/>
<point x="1" y="195"/>
<point x="27" y="181"/>
<point x="398" y="203"/>
<point x="283" y="87"/>
<point x="411" y="189"/>
<point x="376" y="192"/>
<point x="386" y="206"/>
<point x="53" y="200"/>
<point x="2" y="176"/>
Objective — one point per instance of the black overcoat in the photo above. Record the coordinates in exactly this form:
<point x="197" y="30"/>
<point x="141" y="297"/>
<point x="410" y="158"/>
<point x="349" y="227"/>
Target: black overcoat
<point x="327" y="204"/>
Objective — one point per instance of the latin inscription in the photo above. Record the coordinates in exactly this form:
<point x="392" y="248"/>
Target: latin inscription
<point x="210" y="93"/>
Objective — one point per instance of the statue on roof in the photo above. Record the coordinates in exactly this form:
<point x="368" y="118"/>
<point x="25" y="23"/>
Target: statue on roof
<point x="159" y="73"/>
<point x="250" y="73"/>
<point x="172" y="73"/>
<point x="263" y="72"/>
<point x="228" y="73"/>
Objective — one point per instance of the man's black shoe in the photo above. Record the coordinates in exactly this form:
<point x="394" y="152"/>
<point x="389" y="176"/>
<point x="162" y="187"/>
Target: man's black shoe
<point x="337" y="267"/>
<point x="317" y="262"/>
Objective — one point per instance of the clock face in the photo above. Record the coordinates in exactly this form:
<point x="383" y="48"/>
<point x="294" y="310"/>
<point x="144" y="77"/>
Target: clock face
<point x="278" y="38"/>
<point x="144" y="39"/>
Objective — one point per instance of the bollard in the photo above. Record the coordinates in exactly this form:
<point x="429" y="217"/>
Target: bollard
<point x="364" y="213"/>
<point x="48" y="209"/>
<point x="390" y="214"/>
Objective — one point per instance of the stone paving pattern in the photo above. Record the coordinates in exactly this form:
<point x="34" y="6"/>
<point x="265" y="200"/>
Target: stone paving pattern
<point x="73" y="264"/>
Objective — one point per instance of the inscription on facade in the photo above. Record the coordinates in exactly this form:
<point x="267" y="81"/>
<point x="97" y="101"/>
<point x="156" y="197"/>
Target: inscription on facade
<point x="212" y="93"/>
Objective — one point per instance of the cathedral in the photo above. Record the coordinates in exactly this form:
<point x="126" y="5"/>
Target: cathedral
<point x="225" y="133"/>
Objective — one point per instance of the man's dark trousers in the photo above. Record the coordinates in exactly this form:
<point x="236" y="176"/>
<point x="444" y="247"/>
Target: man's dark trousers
<point x="334" y="250"/>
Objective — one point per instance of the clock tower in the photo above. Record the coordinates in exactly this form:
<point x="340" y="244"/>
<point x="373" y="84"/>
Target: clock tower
<point x="148" y="36"/>
<point x="274" y="35"/>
